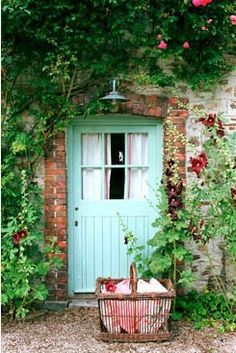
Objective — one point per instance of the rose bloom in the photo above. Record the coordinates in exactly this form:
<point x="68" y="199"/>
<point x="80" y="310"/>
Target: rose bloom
<point x="162" y="45"/>
<point x="233" y="20"/>
<point x="197" y="2"/>
<point x="186" y="45"/>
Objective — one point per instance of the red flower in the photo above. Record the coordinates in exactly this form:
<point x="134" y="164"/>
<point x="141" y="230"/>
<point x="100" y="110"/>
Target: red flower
<point x="169" y="172"/>
<point x="199" y="163"/>
<point x="171" y="162"/>
<point x="203" y="158"/>
<point x="220" y="131"/>
<point x="16" y="238"/>
<point x="110" y="286"/>
<point x="209" y="121"/>
<point x="174" y="202"/>
<point x="233" y="194"/>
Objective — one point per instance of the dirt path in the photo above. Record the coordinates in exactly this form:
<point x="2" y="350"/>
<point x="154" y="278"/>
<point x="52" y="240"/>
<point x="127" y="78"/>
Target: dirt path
<point x="74" y="330"/>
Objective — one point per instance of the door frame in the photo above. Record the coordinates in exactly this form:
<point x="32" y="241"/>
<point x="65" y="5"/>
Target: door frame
<point x="100" y="120"/>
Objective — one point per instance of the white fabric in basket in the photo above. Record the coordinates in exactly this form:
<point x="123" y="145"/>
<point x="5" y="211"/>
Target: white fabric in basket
<point x="152" y="286"/>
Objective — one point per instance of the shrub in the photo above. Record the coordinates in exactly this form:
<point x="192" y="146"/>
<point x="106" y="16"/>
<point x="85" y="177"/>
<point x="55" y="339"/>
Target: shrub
<point x="25" y="259"/>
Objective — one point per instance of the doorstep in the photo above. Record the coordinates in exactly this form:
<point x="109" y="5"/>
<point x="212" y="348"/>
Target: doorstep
<point x="83" y="302"/>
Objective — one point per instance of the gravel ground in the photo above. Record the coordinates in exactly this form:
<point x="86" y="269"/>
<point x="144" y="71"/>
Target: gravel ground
<point x="74" y="331"/>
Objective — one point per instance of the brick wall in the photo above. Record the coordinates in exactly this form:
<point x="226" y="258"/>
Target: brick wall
<point x="55" y="194"/>
<point x="55" y="171"/>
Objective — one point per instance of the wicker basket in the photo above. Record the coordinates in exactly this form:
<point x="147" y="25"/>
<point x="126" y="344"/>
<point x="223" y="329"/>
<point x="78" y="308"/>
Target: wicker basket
<point x="136" y="317"/>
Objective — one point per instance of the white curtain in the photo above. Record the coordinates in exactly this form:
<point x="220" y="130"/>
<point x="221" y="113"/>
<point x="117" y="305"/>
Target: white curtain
<point x="137" y="156"/>
<point x="91" y="157"/>
<point x="108" y="170"/>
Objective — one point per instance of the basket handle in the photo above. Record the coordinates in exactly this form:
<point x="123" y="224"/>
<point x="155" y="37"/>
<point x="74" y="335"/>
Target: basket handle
<point x="133" y="278"/>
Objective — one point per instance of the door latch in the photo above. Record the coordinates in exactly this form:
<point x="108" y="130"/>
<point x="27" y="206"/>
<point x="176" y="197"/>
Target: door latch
<point x="76" y="223"/>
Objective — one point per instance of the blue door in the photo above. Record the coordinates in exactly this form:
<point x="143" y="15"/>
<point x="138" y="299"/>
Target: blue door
<point x="113" y="165"/>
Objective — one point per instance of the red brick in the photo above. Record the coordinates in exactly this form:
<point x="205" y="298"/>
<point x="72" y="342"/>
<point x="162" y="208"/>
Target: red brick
<point x="62" y="244"/>
<point x="59" y="171"/>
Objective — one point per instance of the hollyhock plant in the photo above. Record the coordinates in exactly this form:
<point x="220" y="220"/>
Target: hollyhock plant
<point x="212" y="121"/>
<point x="203" y="158"/>
<point x="220" y="131"/>
<point x="162" y="45"/>
<point x="174" y="202"/>
<point x="174" y="189"/>
<point x="16" y="238"/>
<point x="209" y="121"/>
<point x="198" y="163"/>
<point x="233" y="195"/>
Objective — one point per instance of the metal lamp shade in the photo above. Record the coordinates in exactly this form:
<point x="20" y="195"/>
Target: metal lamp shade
<point x="114" y="95"/>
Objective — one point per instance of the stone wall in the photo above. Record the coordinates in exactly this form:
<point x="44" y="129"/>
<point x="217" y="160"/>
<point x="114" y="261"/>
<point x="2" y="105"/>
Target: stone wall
<point x="222" y="100"/>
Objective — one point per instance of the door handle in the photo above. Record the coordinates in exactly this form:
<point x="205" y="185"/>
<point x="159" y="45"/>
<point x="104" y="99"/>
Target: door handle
<point x="126" y="240"/>
<point x="76" y="223"/>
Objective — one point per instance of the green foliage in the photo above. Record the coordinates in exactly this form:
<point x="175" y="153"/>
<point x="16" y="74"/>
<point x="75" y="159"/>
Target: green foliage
<point x="207" y="309"/>
<point x="209" y="200"/>
<point x="105" y="38"/>
<point x="168" y="244"/>
<point x="135" y="250"/>
<point x="24" y="265"/>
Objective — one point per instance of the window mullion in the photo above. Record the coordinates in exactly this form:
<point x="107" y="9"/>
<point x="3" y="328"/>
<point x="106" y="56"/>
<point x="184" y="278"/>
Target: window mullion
<point x="102" y="166"/>
<point x="125" y="166"/>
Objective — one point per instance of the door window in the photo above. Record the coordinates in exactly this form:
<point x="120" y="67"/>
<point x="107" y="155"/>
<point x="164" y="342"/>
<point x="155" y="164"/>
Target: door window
<point x="114" y="166"/>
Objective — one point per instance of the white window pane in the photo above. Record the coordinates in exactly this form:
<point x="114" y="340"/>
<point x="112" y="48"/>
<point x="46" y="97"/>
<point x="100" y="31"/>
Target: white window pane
<point x="137" y="183"/>
<point x="138" y="149"/>
<point x="91" y="184"/>
<point x="91" y="149"/>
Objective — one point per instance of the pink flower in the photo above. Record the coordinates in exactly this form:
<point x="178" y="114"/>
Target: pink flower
<point x="186" y="45"/>
<point x="162" y="45"/>
<point x="233" y="20"/>
<point x="197" y="3"/>
<point x="210" y="20"/>
<point x="204" y="28"/>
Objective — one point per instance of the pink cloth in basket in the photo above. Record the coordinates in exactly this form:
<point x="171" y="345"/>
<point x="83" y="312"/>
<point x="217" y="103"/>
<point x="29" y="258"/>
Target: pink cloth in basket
<point x="133" y="316"/>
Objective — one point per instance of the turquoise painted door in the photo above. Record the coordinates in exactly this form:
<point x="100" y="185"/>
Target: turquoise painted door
<point x="113" y="165"/>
